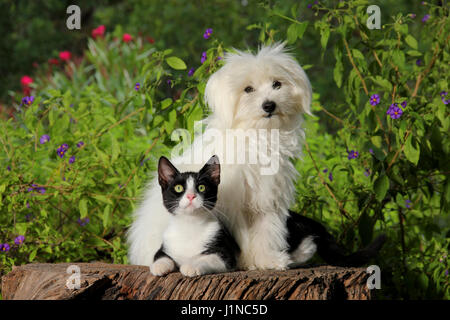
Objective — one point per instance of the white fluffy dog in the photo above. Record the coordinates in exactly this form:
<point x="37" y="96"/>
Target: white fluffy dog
<point x="267" y="91"/>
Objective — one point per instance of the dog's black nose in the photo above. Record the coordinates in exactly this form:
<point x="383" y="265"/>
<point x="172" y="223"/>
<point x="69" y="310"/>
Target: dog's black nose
<point x="269" y="106"/>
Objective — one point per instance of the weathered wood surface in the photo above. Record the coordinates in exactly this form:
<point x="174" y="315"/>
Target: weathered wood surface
<point x="116" y="282"/>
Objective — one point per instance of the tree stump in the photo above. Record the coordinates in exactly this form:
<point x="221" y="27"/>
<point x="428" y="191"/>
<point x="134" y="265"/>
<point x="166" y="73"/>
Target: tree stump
<point x="117" y="282"/>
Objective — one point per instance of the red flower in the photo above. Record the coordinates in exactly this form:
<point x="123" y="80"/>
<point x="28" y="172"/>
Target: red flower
<point x="98" y="32"/>
<point x="127" y="37"/>
<point x="65" y="55"/>
<point x="53" y="61"/>
<point x="26" y="80"/>
<point x="151" y="40"/>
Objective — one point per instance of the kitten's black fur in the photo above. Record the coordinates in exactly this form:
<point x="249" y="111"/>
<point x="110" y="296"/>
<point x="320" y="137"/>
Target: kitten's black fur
<point x="299" y="227"/>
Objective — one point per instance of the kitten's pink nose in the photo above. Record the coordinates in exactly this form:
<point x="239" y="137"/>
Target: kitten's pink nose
<point x="190" y="196"/>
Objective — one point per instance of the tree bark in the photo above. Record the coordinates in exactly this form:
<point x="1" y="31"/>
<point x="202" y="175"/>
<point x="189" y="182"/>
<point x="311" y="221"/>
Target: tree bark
<point x="117" y="282"/>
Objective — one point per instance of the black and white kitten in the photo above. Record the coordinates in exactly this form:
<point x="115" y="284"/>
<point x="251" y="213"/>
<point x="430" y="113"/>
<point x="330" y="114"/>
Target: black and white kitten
<point x="195" y="240"/>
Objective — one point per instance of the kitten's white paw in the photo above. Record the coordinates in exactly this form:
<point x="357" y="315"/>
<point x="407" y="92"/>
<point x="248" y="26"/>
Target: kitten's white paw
<point x="190" y="270"/>
<point x="162" y="267"/>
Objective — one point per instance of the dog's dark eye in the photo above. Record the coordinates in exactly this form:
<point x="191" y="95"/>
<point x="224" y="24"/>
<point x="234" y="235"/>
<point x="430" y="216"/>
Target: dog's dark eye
<point x="276" y="84"/>
<point x="249" y="89"/>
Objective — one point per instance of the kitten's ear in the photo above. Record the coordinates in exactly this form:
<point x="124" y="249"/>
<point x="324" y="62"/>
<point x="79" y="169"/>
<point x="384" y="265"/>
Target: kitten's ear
<point x="166" y="172"/>
<point x="212" y="168"/>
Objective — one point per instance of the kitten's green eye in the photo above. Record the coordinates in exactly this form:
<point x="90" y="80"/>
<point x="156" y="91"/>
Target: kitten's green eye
<point x="201" y="188"/>
<point x="179" y="188"/>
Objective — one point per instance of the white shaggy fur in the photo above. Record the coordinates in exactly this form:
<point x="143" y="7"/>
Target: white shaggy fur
<point x="255" y="206"/>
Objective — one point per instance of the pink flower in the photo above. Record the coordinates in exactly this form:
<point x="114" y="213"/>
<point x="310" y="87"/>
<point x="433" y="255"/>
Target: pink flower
<point x="65" y="55"/>
<point x="98" y="32"/>
<point x="127" y="37"/>
<point x="26" y="80"/>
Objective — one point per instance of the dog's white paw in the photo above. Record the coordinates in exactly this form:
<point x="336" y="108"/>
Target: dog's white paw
<point x="162" y="267"/>
<point x="190" y="270"/>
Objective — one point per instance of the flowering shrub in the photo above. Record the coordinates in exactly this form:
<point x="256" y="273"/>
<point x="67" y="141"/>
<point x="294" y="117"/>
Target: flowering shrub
<point x="77" y="155"/>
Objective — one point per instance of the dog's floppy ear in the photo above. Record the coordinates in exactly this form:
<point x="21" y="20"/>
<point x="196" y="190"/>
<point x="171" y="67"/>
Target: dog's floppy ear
<point x="296" y="75"/>
<point x="302" y="85"/>
<point x="220" y="98"/>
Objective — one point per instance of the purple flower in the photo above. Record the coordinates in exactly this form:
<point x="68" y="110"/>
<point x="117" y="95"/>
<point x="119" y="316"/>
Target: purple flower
<point x="425" y="18"/>
<point x="309" y="6"/>
<point x="28" y="205"/>
<point x="137" y="86"/>
<point x="394" y="111"/>
<point x="72" y="159"/>
<point x="408" y="203"/>
<point x="445" y="101"/>
<point x="330" y="176"/>
<point x="62" y="150"/>
<point x="120" y="186"/>
<point x="443" y="94"/>
<point x="219" y="58"/>
<point x="412" y="15"/>
<point x="203" y="58"/>
<point x="169" y="82"/>
<point x="367" y="172"/>
<point x="191" y="72"/>
<point x="371" y="151"/>
<point x="418" y="62"/>
<point x="44" y="138"/>
<point x="374" y="99"/>
<point x="353" y="154"/>
<point x="8" y="168"/>
<point x="208" y="33"/>
<point x="34" y="187"/>
<point x="19" y="240"/>
<point x="80" y="144"/>
<point x="404" y="104"/>
<point x="4" y="247"/>
<point x="28" y="100"/>
<point x="446" y="273"/>
<point x="325" y="170"/>
<point x="83" y="222"/>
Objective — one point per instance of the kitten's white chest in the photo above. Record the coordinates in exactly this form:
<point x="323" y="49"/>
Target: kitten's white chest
<point x="186" y="236"/>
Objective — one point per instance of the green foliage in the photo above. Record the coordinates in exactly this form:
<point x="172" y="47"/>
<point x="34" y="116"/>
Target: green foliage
<point x="397" y="183"/>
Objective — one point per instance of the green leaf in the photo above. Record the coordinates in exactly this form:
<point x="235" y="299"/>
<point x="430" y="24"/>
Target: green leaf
<point x="411" y="41"/>
<point x="338" y="72"/>
<point x="324" y="35"/>
<point x="82" y="205"/>
<point x="414" y="53"/>
<point x="291" y="34"/>
<point x="358" y="54"/>
<point x="381" y="186"/>
<point x="301" y="28"/>
<point x="165" y="103"/>
<point x="412" y="150"/>
<point x="33" y="254"/>
<point x="176" y="63"/>
<point x="102" y="198"/>
<point x="106" y="218"/>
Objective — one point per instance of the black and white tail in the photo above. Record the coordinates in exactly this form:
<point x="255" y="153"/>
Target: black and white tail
<point x="300" y="227"/>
